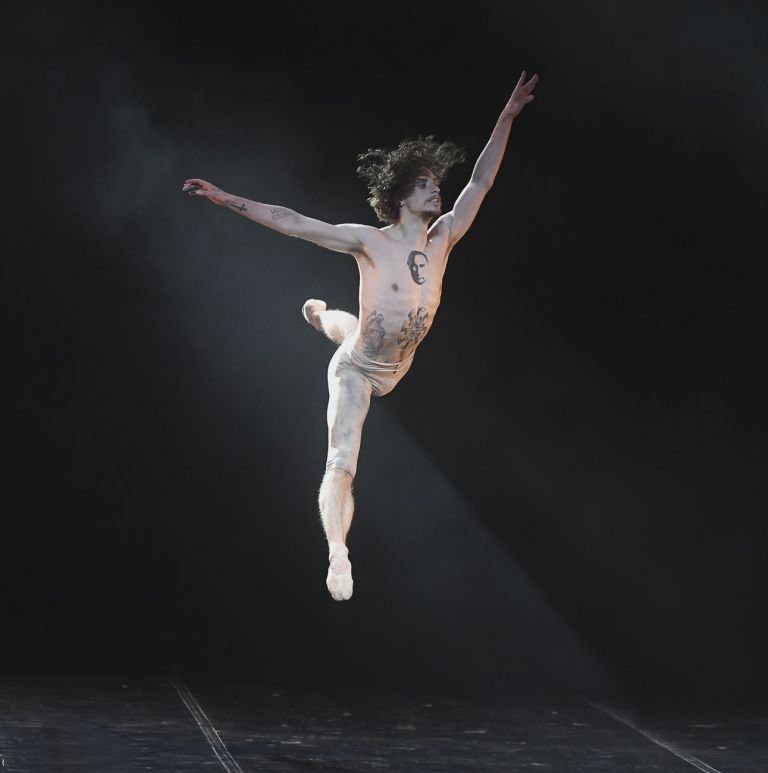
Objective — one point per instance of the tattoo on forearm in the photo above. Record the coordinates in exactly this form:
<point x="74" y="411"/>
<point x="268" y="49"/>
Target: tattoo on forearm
<point x="241" y="208"/>
<point x="373" y="333"/>
<point x="414" y="328"/>
<point x="279" y="213"/>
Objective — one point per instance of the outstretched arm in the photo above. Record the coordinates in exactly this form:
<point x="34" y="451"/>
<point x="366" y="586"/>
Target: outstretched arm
<point x="468" y="203"/>
<point x="348" y="237"/>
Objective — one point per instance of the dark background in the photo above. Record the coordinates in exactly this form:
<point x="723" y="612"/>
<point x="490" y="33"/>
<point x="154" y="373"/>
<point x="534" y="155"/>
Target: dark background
<point x="568" y="490"/>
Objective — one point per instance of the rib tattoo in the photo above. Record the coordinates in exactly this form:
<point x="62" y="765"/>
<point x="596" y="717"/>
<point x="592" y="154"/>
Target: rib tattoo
<point x="373" y="333"/>
<point x="414" y="328"/>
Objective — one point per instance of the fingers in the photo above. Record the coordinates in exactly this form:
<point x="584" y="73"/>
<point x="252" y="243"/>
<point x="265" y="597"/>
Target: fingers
<point x="194" y="190"/>
<point x="195" y="184"/>
<point x="531" y="85"/>
<point x="526" y="88"/>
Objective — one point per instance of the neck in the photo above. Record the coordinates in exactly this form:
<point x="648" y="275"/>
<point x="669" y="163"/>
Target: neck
<point x="413" y="229"/>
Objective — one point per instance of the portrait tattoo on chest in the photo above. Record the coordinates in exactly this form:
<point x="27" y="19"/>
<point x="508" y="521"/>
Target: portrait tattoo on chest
<point x="414" y="328"/>
<point x="417" y="264"/>
<point x="373" y="333"/>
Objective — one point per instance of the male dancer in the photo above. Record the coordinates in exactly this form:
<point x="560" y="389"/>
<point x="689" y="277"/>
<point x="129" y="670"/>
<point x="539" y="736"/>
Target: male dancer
<point x="401" y="271"/>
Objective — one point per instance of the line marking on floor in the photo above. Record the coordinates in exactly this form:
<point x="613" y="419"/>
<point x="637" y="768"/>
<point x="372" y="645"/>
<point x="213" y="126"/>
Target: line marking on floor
<point x="658" y="740"/>
<point x="209" y="731"/>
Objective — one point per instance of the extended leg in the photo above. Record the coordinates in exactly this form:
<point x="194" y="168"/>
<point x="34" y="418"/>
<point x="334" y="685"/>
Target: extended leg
<point x="336" y="509"/>
<point x="336" y="324"/>
<point x="348" y="402"/>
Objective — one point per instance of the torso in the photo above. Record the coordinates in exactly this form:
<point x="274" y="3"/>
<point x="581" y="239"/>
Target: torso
<point x="400" y="288"/>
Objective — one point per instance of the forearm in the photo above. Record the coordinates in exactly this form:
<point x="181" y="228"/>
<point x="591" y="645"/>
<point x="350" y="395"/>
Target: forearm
<point x="281" y="219"/>
<point x="489" y="161"/>
<point x="347" y="237"/>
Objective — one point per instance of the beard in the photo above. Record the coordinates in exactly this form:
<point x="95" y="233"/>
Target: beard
<point x="431" y="210"/>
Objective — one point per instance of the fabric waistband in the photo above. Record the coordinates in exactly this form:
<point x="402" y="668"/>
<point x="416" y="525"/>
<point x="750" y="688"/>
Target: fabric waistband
<point x="372" y="365"/>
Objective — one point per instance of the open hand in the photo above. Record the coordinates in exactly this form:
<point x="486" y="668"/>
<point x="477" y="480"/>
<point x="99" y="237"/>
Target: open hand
<point x="197" y="187"/>
<point x="521" y="96"/>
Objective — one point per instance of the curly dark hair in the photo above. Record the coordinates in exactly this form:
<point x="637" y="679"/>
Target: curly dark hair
<point x="391" y="174"/>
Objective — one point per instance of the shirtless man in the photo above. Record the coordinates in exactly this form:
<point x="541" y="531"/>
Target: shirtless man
<point x="401" y="271"/>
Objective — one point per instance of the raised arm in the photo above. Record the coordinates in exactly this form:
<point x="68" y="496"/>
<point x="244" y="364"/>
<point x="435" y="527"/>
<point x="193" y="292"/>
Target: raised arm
<point x="461" y="217"/>
<point x="349" y="238"/>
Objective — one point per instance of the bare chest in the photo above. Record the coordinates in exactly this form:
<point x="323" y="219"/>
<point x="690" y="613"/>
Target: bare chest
<point x="400" y="291"/>
<point x="403" y="276"/>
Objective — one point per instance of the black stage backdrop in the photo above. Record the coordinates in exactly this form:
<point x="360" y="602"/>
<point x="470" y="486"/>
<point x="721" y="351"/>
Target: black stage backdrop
<point x="567" y="491"/>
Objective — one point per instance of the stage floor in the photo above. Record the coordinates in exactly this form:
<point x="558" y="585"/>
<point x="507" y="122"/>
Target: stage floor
<point x="189" y="724"/>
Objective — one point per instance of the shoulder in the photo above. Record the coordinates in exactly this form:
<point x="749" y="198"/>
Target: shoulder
<point x="441" y="228"/>
<point x="362" y="232"/>
<point x="367" y="238"/>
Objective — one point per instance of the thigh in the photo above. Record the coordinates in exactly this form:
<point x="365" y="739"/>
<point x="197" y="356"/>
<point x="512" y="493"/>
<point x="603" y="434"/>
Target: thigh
<point x="349" y="397"/>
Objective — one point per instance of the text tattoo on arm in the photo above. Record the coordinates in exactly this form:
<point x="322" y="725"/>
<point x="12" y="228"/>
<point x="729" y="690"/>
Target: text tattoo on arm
<point x="280" y="213"/>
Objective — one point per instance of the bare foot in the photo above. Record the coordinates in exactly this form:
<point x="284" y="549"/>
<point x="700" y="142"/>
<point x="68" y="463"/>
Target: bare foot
<point x="311" y="311"/>
<point x="339" y="580"/>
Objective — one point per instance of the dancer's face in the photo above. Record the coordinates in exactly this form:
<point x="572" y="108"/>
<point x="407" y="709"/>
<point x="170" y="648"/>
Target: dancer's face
<point x="425" y="197"/>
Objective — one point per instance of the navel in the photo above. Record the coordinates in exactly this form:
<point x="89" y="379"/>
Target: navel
<point x="395" y="286"/>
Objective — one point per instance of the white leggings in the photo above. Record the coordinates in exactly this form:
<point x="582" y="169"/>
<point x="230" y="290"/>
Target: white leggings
<point x="352" y="379"/>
